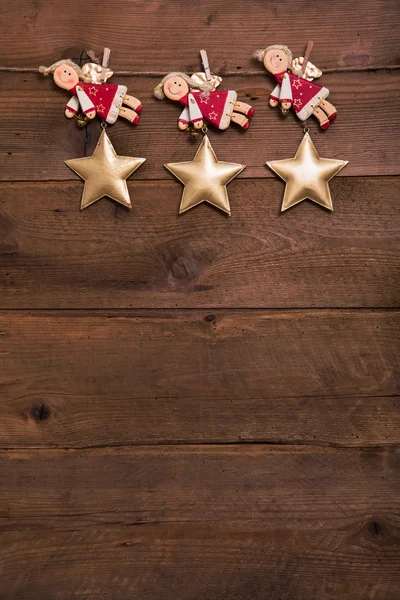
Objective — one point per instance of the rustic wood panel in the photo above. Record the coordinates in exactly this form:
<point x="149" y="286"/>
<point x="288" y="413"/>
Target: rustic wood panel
<point x="37" y="137"/>
<point x="74" y="421"/>
<point x="184" y="440"/>
<point x="268" y="486"/>
<point x="167" y="35"/>
<point x="108" y="257"/>
<point x="281" y="561"/>
<point x="194" y="353"/>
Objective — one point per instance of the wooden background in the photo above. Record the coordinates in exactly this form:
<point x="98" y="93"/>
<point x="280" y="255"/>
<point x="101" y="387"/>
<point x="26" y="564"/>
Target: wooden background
<point x="199" y="407"/>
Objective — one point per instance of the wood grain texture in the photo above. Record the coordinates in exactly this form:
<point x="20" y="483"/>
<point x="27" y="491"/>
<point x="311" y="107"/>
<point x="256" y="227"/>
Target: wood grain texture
<point x="364" y="134"/>
<point x="200" y="521"/>
<point x="356" y="560"/>
<point x="241" y="354"/>
<point x="56" y="419"/>
<point x="108" y="257"/>
<point x="282" y="487"/>
<point x="165" y="35"/>
<point x="219" y="418"/>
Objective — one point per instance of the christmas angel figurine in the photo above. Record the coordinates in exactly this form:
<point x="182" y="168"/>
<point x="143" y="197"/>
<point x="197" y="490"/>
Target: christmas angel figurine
<point x="295" y="85"/>
<point x="91" y="94"/>
<point x="202" y="102"/>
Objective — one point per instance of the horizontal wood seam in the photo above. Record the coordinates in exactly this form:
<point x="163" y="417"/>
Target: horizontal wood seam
<point x="145" y="182"/>
<point x="105" y="312"/>
<point x="170" y="448"/>
<point x="239" y="72"/>
<point x="182" y="444"/>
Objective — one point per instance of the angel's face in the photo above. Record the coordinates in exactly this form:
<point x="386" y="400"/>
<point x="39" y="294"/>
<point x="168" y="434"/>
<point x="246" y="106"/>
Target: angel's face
<point x="276" y="61"/>
<point x="175" y="88"/>
<point x="66" y="77"/>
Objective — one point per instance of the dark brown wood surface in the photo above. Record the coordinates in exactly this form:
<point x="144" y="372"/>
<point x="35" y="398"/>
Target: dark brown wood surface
<point x="110" y="257"/>
<point x="365" y="133"/>
<point x="235" y="521"/>
<point x="199" y="407"/>
<point x="71" y="420"/>
<point x="154" y="35"/>
<point x="242" y="354"/>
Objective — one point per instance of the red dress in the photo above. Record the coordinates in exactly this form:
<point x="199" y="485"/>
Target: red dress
<point x="215" y="108"/>
<point x="302" y="94"/>
<point x="105" y="98"/>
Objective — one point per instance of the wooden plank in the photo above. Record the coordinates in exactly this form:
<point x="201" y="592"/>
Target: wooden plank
<point x="167" y="35"/>
<point x="108" y="257"/>
<point x="76" y="421"/>
<point x="362" y="134"/>
<point x="200" y="521"/>
<point x="232" y="522"/>
<point x="266" y="486"/>
<point x="241" y="354"/>
<point x="356" y="561"/>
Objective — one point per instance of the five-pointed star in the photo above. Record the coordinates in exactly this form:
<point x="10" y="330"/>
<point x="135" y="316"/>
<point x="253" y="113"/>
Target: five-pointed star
<point x="105" y="173"/>
<point x="205" y="178"/>
<point x="307" y="175"/>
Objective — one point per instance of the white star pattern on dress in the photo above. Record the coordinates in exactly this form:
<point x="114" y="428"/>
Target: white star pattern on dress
<point x="297" y="103"/>
<point x="297" y="83"/>
<point x="93" y="90"/>
<point x="100" y="108"/>
<point x="213" y="115"/>
<point x="204" y="100"/>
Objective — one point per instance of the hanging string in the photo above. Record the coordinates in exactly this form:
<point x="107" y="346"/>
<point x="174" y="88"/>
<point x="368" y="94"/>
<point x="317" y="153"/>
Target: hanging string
<point x="245" y="73"/>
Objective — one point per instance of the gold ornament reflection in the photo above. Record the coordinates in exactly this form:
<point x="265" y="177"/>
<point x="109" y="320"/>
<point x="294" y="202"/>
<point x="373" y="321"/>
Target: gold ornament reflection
<point x="105" y="173"/>
<point x="205" y="178"/>
<point x="307" y="175"/>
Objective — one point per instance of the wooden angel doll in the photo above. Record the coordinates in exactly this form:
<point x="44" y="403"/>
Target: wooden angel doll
<point x="295" y="88"/>
<point x="91" y="95"/>
<point x="202" y="102"/>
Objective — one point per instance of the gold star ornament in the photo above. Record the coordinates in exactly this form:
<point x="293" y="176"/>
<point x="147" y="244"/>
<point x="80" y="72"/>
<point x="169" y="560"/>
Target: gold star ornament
<point x="105" y="173"/>
<point x="205" y="178"/>
<point x="307" y="175"/>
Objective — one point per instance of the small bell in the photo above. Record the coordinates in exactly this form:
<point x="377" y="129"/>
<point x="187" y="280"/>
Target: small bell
<point x="81" y="120"/>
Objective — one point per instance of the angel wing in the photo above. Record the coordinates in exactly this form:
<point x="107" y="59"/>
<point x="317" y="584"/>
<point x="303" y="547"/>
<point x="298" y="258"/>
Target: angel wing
<point x="93" y="71"/>
<point x="312" y="72"/>
<point x="200" y="78"/>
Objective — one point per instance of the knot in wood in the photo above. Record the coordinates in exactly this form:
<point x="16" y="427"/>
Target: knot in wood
<point x="40" y="412"/>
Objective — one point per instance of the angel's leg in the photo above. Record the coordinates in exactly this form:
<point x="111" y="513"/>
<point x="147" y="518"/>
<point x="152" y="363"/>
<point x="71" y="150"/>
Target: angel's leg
<point x="329" y="109"/>
<point x="133" y="102"/>
<point x="129" y="114"/>
<point x="242" y="107"/>
<point x="240" y="120"/>
<point x="322" y="118"/>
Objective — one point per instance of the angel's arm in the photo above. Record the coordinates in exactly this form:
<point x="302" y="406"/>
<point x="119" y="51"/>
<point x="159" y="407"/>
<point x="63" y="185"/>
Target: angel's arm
<point x="285" y="96"/>
<point x="183" y="121"/>
<point x="274" y="95"/>
<point x="184" y="116"/>
<point x="195" y="114"/>
<point x="72" y="107"/>
<point x="87" y="105"/>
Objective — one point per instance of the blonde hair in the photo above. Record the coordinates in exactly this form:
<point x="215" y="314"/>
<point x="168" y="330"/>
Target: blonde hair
<point x="70" y="63"/>
<point x="205" y="87"/>
<point x="260" y="54"/>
